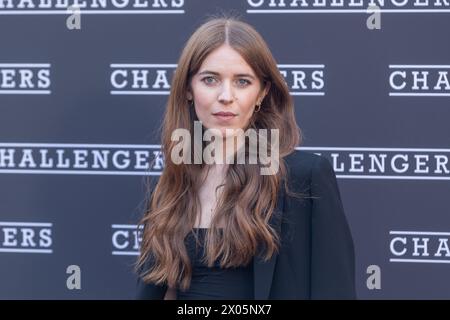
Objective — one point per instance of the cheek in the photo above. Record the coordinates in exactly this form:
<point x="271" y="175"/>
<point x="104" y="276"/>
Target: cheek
<point x="203" y="109"/>
<point x="204" y="98"/>
<point x="246" y="118"/>
<point x="248" y="106"/>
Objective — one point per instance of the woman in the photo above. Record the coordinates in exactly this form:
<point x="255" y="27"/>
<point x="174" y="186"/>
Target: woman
<point x="226" y="231"/>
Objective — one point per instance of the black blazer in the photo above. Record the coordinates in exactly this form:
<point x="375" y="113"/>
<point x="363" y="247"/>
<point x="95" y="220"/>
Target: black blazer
<point x="316" y="257"/>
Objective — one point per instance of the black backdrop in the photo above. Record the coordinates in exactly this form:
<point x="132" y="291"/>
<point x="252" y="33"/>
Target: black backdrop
<point x="80" y="111"/>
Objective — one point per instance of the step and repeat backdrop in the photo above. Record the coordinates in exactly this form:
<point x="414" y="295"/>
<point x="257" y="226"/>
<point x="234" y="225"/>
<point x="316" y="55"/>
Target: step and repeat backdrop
<point x="83" y="91"/>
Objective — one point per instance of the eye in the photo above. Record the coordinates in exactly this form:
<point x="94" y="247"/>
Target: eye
<point x="207" y="78"/>
<point x="245" y="82"/>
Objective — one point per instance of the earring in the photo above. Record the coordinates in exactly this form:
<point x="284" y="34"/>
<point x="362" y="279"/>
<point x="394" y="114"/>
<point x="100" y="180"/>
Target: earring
<point x="191" y="102"/>
<point x="258" y="106"/>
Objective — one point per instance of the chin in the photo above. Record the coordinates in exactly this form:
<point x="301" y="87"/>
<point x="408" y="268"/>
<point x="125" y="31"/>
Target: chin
<point x="227" y="135"/>
<point x="231" y="131"/>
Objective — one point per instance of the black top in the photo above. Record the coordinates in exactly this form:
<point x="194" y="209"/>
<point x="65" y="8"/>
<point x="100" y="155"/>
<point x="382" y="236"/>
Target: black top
<point x="215" y="282"/>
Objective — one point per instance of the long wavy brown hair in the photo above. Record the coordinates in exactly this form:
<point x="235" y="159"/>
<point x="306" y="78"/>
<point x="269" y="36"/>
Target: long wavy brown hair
<point x="248" y="198"/>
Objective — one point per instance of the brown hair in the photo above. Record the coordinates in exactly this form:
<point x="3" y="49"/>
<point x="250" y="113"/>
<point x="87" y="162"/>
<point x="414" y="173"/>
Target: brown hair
<point x="248" y="198"/>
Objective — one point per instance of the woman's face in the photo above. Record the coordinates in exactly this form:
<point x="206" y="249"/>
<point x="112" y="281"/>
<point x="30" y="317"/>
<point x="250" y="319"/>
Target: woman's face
<point x="225" y="83"/>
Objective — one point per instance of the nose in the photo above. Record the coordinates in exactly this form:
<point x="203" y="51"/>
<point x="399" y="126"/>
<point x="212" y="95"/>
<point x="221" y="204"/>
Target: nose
<point x="226" y="95"/>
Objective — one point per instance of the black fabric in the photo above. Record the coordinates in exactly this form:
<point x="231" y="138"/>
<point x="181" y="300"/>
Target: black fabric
<point x="215" y="282"/>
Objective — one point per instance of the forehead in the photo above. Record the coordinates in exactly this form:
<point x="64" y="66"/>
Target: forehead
<point x="226" y="60"/>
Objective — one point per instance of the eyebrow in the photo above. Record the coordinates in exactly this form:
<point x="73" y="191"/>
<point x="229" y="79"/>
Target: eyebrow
<point x="236" y="75"/>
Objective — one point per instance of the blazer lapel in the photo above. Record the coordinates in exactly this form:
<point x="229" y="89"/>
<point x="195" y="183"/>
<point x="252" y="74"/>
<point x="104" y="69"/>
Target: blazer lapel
<point x="263" y="271"/>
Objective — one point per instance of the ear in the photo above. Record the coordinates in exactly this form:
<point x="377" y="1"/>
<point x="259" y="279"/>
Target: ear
<point x="189" y="95"/>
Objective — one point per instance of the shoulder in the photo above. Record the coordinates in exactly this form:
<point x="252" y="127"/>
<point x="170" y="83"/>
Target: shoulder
<point x="304" y="165"/>
<point x="311" y="173"/>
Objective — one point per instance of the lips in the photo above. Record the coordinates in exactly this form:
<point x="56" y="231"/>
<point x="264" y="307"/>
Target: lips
<point x="224" y="114"/>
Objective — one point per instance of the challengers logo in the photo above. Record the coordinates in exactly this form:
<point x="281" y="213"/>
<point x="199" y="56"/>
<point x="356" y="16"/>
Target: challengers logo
<point x="80" y="159"/>
<point x="346" y="6"/>
<point x="387" y="163"/>
<point x="419" y="247"/>
<point x="26" y="237"/>
<point x="141" y="79"/>
<point x="419" y="80"/>
<point x="25" y="78"/>
<point x="49" y="7"/>
<point x="304" y="79"/>
<point x="126" y="239"/>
